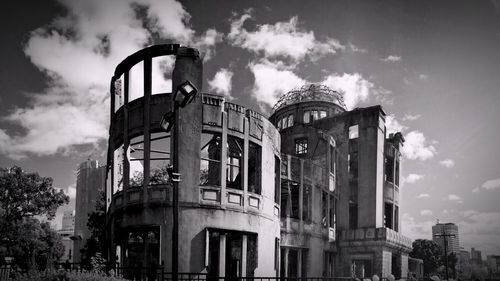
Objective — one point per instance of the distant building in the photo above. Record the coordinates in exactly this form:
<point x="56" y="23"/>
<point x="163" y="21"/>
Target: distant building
<point x="463" y="264"/>
<point x="453" y="244"/>
<point x="475" y="256"/>
<point x="66" y="232"/>
<point x="493" y="263"/>
<point x="90" y="180"/>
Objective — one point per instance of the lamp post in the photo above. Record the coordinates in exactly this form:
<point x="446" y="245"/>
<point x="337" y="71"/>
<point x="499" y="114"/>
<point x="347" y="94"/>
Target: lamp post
<point x="186" y="73"/>
<point x="444" y="235"/>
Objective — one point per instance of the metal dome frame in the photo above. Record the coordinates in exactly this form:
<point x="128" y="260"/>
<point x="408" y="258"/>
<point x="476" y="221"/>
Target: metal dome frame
<point x="310" y="92"/>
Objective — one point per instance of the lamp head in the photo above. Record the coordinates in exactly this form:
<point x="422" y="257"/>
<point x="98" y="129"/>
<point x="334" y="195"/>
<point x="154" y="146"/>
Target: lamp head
<point x="167" y="121"/>
<point x="184" y="94"/>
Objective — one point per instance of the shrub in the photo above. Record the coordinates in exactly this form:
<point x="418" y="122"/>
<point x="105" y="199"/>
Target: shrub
<point x="61" y="275"/>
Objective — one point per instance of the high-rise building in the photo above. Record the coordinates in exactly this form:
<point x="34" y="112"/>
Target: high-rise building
<point x="67" y="230"/>
<point x="475" y="256"/>
<point x="313" y="191"/>
<point x="90" y="181"/>
<point x="440" y="229"/>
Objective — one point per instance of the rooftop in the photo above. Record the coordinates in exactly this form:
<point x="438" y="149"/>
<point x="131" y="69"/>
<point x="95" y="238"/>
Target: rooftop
<point x="310" y="92"/>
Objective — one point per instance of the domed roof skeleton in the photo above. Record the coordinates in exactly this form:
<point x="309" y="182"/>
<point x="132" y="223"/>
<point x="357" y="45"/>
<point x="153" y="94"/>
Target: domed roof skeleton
<point x="311" y="92"/>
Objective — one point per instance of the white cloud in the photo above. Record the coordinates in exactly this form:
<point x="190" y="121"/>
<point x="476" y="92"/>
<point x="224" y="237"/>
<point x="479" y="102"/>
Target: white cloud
<point x="480" y="230"/>
<point x="423" y="195"/>
<point x="356" y="49"/>
<point x="353" y="86"/>
<point x="489" y="185"/>
<point x="411" y="117"/>
<point x="391" y="58"/>
<point x="454" y="198"/>
<point x="282" y="39"/>
<point x="78" y="53"/>
<point x="416" y="147"/>
<point x="423" y="77"/>
<point x="272" y="80"/>
<point x="392" y="125"/>
<point x="448" y="163"/>
<point x="71" y="191"/>
<point x="416" y="229"/>
<point x="413" y="178"/>
<point x="426" y="212"/>
<point x="221" y="83"/>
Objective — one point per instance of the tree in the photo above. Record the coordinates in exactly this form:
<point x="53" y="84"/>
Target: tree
<point x="430" y="252"/>
<point x="95" y="245"/>
<point x="22" y="196"/>
<point x="36" y="245"/>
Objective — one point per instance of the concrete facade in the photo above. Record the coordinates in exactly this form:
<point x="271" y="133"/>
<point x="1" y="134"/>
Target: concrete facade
<point x="229" y="165"/>
<point x="315" y="126"/>
<point x="90" y="180"/>
<point x="66" y="232"/>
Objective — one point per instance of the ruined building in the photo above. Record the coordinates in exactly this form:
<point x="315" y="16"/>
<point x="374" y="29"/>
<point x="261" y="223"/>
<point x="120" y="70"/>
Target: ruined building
<point x="313" y="191"/>
<point x="343" y="185"/>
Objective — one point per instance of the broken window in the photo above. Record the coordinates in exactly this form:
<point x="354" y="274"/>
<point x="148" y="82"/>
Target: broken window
<point x="301" y="146"/>
<point x="328" y="263"/>
<point x="396" y="173"/>
<point x="159" y="158"/>
<point x="389" y="169"/>
<point x="324" y="209"/>
<point x="322" y="114"/>
<point x="135" y="155"/>
<point x="290" y="120"/>
<point x="234" y="169"/>
<point x="396" y="218"/>
<point x="277" y="179"/>
<point x="161" y="72"/>
<point x="312" y="115"/>
<point x="354" y="132"/>
<point x="295" y="193"/>
<point x="388" y="215"/>
<point x="118" y="169"/>
<point x="119" y="92"/>
<point x="136" y="82"/>
<point x="210" y="164"/>
<point x="230" y="261"/>
<point x="285" y="193"/>
<point x="361" y="268"/>
<point x="141" y="247"/>
<point x="307" y="116"/>
<point x="254" y="167"/>
<point x="293" y="262"/>
<point x="306" y="206"/>
<point x="331" y="208"/>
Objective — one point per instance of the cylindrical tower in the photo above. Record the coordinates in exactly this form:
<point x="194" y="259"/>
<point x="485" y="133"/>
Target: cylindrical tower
<point x="228" y="217"/>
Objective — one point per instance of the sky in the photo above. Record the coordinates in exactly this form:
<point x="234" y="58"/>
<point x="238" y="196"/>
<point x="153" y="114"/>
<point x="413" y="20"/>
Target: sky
<point x="432" y="65"/>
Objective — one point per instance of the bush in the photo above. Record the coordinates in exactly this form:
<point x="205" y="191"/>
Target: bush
<point x="61" y="275"/>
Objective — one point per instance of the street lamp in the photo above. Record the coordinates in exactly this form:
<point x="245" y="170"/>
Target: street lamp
<point x="184" y="94"/>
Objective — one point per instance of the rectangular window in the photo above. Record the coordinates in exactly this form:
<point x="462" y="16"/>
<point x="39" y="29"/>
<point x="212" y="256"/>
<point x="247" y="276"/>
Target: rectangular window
<point x="277" y="179"/>
<point x="135" y="155"/>
<point x="290" y="120"/>
<point x="279" y="124"/>
<point x="388" y="215"/>
<point x="301" y="146"/>
<point x="353" y="132"/>
<point x="254" y="168"/>
<point x="118" y="169"/>
<point x="295" y="192"/>
<point x="353" y="215"/>
<point x="396" y="173"/>
<point x="306" y="206"/>
<point x="159" y="158"/>
<point x="285" y="193"/>
<point x="234" y="169"/>
<point x="314" y="115"/>
<point x="389" y="169"/>
<point x="324" y="209"/>
<point x="328" y="262"/>
<point x="307" y="116"/>
<point x="396" y="218"/>
<point x="322" y="114"/>
<point x="331" y="208"/>
<point x="210" y="164"/>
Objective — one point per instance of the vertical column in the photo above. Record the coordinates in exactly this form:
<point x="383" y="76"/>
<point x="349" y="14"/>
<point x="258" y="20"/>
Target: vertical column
<point x="244" y="256"/>
<point x="244" y="178"/>
<point x="126" y="166"/>
<point x="146" y="124"/>
<point x="222" y="255"/>
<point x="223" y="161"/>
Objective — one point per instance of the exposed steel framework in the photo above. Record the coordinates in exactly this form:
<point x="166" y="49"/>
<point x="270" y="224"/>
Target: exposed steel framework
<point x="310" y="92"/>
